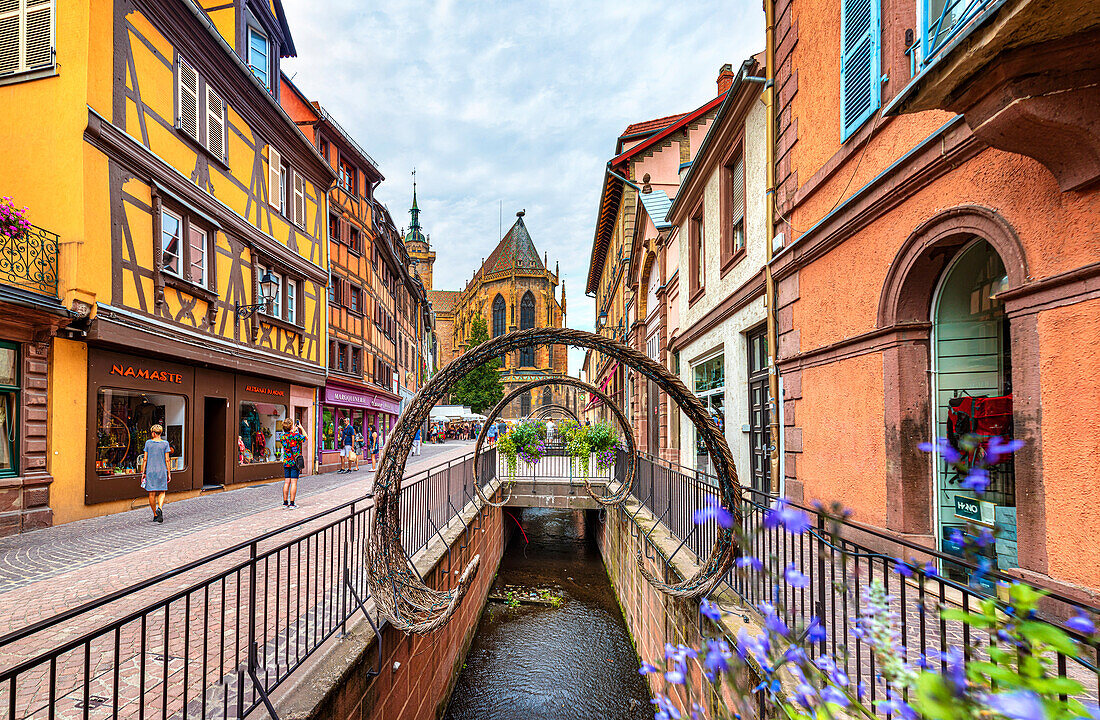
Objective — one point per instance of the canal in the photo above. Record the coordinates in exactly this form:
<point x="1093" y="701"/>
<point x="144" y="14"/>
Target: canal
<point x="554" y="643"/>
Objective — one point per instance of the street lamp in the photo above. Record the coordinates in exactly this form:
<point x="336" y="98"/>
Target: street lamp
<point x="269" y="284"/>
<point x="601" y="320"/>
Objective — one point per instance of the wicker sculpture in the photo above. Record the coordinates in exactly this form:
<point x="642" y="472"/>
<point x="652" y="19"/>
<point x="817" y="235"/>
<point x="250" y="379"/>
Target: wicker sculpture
<point x="619" y="495"/>
<point x="400" y="594"/>
<point x="543" y="410"/>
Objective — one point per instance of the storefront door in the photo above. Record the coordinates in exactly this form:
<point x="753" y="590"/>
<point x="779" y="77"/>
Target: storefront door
<point x="214" y="455"/>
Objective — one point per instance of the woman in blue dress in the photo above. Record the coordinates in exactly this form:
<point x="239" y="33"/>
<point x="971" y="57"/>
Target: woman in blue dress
<point x="155" y="470"/>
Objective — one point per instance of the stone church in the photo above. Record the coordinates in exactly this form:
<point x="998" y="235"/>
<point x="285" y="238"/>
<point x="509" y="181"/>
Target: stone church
<point x="513" y="289"/>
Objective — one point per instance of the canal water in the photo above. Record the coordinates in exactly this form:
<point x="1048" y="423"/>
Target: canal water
<point x="573" y="661"/>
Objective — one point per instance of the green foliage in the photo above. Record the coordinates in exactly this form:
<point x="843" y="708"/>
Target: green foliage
<point x="583" y="440"/>
<point x="525" y="440"/>
<point x="480" y="388"/>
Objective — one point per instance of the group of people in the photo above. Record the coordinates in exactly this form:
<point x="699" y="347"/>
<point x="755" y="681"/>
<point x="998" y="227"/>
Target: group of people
<point x="353" y="446"/>
<point x="156" y="466"/>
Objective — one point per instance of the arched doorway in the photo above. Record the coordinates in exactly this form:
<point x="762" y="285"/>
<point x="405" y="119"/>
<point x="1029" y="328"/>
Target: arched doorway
<point x="972" y="392"/>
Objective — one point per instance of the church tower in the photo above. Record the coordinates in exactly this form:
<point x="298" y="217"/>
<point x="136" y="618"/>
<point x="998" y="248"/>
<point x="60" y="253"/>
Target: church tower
<point x="417" y="244"/>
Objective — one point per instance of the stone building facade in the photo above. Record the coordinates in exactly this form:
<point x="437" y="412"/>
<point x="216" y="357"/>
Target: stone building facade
<point x="512" y="290"/>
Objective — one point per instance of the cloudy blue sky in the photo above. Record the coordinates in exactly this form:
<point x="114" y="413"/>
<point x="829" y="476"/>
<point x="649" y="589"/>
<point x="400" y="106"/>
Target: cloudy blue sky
<point x="513" y="102"/>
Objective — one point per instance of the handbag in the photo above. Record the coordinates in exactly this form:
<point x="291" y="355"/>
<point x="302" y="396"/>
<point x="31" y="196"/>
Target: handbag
<point x="300" y="461"/>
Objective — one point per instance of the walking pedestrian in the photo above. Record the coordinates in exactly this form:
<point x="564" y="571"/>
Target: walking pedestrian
<point x="375" y="447"/>
<point x="416" y="442"/>
<point x="491" y="433"/>
<point x="156" y="470"/>
<point x="358" y="449"/>
<point x="347" y="437"/>
<point x="293" y="441"/>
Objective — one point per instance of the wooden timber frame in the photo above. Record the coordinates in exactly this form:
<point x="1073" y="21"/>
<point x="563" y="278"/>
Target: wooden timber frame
<point x="403" y="598"/>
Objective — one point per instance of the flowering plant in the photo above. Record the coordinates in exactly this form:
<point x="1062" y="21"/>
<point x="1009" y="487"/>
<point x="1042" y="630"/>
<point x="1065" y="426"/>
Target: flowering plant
<point x="13" y="222"/>
<point x="583" y="440"/>
<point x="1015" y="676"/>
<point x="526" y="440"/>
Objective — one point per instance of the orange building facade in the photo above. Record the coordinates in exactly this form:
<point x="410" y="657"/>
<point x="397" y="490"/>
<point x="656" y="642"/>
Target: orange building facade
<point x="937" y="204"/>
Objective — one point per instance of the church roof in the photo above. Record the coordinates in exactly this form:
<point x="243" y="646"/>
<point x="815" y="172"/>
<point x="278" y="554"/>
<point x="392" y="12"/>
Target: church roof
<point x="515" y="249"/>
<point x="443" y="300"/>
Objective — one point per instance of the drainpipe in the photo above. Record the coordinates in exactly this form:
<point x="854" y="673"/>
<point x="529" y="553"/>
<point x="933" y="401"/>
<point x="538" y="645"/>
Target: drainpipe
<point x="769" y="224"/>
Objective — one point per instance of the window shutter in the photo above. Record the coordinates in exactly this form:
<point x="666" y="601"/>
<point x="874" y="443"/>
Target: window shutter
<point x="39" y="35"/>
<point x="10" y="18"/>
<point x="859" y="63"/>
<point x="274" y="164"/>
<point x="215" y="123"/>
<point x="187" y="88"/>
<point x="299" y="200"/>
<point x="738" y="179"/>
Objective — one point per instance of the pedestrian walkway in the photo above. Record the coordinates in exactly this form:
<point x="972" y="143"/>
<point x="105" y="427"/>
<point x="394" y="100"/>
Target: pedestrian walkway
<point x="52" y="569"/>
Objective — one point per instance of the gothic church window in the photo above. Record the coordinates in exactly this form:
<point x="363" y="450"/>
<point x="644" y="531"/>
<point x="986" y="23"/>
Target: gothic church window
<point x="498" y="316"/>
<point x="526" y="321"/>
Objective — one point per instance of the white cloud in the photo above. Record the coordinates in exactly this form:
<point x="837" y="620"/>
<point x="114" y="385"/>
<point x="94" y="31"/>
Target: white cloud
<point x="509" y="102"/>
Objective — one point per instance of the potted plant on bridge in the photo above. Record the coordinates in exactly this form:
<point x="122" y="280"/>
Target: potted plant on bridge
<point x="584" y="441"/>
<point x="526" y="440"/>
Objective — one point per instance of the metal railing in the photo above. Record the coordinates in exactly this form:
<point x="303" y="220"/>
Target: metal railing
<point x="838" y="570"/>
<point x="30" y="262"/>
<point x="215" y="637"/>
<point x="941" y="29"/>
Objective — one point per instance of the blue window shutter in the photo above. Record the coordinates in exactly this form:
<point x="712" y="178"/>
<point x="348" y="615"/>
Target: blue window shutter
<point x="860" y="89"/>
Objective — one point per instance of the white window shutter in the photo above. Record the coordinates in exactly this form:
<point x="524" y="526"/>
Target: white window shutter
<point x="299" y="200"/>
<point x="26" y="35"/>
<point x="215" y="123"/>
<point x="187" y="90"/>
<point x="38" y="50"/>
<point x="274" y="163"/>
<point x="738" y="200"/>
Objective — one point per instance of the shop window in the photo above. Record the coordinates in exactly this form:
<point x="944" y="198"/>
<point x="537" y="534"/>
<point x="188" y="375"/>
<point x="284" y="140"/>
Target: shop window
<point x="972" y="393"/>
<point x="709" y="385"/>
<point x="328" y="429"/>
<point x="261" y="427"/>
<point x="9" y="409"/>
<point x="171" y="235"/>
<point x="123" y="419"/>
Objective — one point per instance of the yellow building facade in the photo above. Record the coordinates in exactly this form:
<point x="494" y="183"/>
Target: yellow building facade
<point x="153" y="145"/>
<point x="512" y="290"/>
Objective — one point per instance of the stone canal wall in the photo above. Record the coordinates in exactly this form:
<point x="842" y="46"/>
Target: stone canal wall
<point x="417" y="671"/>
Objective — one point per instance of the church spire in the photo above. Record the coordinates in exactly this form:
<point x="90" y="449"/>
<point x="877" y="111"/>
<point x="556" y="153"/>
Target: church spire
<point x="414" y="211"/>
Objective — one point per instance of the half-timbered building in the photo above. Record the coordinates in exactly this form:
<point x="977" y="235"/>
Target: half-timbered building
<point x="191" y="217"/>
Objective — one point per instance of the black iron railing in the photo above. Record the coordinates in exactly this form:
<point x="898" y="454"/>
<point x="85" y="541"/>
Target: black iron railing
<point x="838" y="570"/>
<point x="30" y="262"/>
<point x="213" y="638"/>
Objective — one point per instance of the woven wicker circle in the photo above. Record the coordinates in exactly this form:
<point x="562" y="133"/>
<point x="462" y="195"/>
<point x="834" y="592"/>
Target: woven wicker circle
<point x="544" y="410"/>
<point x="400" y="594"/>
<point x="620" y="495"/>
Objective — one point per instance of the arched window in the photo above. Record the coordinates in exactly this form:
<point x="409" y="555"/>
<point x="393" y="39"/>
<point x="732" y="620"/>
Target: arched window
<point x="547" y="396"/>
<point x="526" y="321"/>
<point x="499" y="313"/>
<point x="525" y="404"/>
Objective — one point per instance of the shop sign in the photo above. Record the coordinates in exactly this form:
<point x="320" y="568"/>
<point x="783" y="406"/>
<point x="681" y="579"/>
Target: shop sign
<point x="264" y="391"/>
<point x="146" y="374"/>
<point x="337" y="396"/>
<point x="978" y="511"/>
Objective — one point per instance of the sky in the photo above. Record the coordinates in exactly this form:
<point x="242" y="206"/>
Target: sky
<point x="513" y="105"/>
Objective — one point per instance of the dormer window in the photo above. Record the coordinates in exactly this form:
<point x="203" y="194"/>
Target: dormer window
<point x="259" y="56"/>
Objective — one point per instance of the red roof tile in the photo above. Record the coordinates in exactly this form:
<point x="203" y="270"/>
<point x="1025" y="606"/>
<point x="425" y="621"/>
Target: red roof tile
<point x="648" y="126"/>
<point x="443" y="300"/>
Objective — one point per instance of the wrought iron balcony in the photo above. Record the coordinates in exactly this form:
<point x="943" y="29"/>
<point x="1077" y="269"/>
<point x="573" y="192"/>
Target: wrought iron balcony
<point x="942" y="27"/>
<point x="30" y="262"/>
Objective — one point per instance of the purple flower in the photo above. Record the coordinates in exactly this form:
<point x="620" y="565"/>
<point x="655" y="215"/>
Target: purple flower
<point x="676" y="675"/>
<point x="894" y="704"/>
<point x="956" y="537"/>
<point x="748" y="561"/>
<point x="805" y="695"/>
<point x="977" y="480"/>
<point x="717" y="658"/>
<point x="697" y="711"/>
<point x="772" y="621"/>
<point x="1018" y="705"/>
<point x="647" y="668"/>
<point x="1081" y="623"/>
<point x="945" y="449"/>
<point x="790" y="518"/>
<point x="794" y="578"/>
<point x="815" y="632"/>
<point x="665" y="709"/>
<point x="830" y="694"/>
<point x="984" y="538"/>
<point x="956" y="672"/>
<point x="710" y="610"/>
<point x="997" y="448"/>
<point x="716" y="512"/>
<point x="902" y="568"/>
<point x="930" y="570"/>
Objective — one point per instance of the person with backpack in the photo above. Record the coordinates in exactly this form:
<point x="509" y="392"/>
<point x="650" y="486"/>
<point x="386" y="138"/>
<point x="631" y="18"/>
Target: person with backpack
<point x="293" y="442"/>
<point x="156" y="470"/>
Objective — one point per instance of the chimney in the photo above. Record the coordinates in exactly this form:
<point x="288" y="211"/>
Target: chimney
<point x="725" y="78"/>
